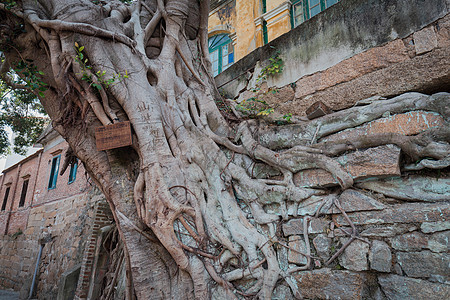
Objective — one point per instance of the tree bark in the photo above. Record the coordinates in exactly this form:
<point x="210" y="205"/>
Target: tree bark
<point x="185" y="203"/>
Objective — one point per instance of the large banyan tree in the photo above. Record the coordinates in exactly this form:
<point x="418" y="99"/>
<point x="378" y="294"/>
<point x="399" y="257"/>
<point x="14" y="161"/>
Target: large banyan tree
<point x="190" y="212"/>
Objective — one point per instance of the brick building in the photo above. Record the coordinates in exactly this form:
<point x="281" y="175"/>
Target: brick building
<point x="62" y="214"/>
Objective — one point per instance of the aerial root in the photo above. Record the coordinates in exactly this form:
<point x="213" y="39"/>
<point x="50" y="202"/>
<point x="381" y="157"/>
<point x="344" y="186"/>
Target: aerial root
<point x="353" y="234"/>
<point x="294" y="160"/>
<point x="433" y="142"/>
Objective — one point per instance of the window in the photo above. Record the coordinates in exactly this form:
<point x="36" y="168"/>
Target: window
<point x="297" y="13"/>
<point x="23" y="195"/>
<point x="331" y="2"/>
<point x="54" y="172"/>
<point x="303" y="10"/>
<point x="73" y="171"/>
<point x="314" y="8"/>
<point x="264" y="31"/>
<point x="221" y="53"/>
<point x="5" y="199"/>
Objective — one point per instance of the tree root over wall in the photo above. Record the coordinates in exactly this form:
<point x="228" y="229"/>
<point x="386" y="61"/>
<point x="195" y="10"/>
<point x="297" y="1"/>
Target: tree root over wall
<point x="192" y="215"/>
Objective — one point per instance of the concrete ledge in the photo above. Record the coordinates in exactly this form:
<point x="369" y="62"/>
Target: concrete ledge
<point x="345" y="29"/>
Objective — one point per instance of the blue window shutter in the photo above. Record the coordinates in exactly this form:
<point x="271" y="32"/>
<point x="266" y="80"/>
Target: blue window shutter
<point x="54" y="172"/>
<point x="73" y="171"/>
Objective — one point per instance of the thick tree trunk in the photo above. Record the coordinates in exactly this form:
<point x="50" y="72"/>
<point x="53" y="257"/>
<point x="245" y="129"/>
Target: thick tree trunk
<point x="186" y="206"/>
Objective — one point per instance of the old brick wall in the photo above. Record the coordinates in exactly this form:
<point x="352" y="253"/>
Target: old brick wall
<point x="64" y="219"/>
<point x="63" y="188"/>
<point x="69" y="223"/>
<point x="101" y="217"/>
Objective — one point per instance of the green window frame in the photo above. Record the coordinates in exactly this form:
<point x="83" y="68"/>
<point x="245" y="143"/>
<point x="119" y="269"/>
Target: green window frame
<point x="54" y="172"/>
<point x="73" y="171"/>
<point x="264" y="32"/>
<point x="221" y="53"/>
<point x="302" y="10"/>
<point x="264" y="6"/>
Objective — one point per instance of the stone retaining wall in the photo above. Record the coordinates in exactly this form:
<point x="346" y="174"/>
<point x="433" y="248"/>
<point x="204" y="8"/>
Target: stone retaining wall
<point x="351" y="51"/>
<point x="401" y="217"/>
<point x="400" y="209"/>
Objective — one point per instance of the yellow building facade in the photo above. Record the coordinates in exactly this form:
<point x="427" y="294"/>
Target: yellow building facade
<point x="237" y="27"/>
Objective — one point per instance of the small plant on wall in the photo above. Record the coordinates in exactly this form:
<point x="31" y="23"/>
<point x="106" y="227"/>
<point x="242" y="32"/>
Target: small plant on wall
<point x="276" y="65"/>
<point x="256" y="106"/>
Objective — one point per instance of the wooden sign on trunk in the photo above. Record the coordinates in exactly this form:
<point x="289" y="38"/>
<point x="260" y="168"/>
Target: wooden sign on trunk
<point x="113" y="136"/>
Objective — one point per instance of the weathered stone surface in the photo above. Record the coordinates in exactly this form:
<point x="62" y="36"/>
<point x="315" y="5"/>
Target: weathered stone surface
<point x="318" y="225"/>
<point x="401" y="288"/>
<point x="408" y="124"/>
<point x="398" y="270"/>
<point x="355" y="255"/>
<point x="438" y="242"/>
<point x="296" y="245"/>
<point x="349" y="69"/>
<point x="380" y="256"/>
<point x="282" y="292"/>
<point x="318" y="109"/>
<point x="395" y="79"/>
<point x="273" y="97"/>
<point x="414" y="241"/>
<point x="295" y="226"/>
<point x="322" y="244"/>
<point x="425" y="40"/>
<point x="380" y="161"/>
<point x="401" y="213"/>
<point x="424" y="264"/>
<point x="310" y="206"/>
<point x="245" y="95"/>
<point x="413" y="188"/>
<point x="387" y="231"/>
<point x="428" y="227"/>
<point x="353" y="200"/>
<point x="327" y="284"/>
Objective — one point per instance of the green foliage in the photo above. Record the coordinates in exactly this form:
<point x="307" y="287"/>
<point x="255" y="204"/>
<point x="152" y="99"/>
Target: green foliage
<point x="30" y="75"/>
<point x="287" y="117"/>
<point x="22" y="112"/>
<point x="255" y="106"/>
<point x="275" y="66"/>
<point x="9" y="4"/>
<point x="83" y="61"/>
<point x="15" y="235"/>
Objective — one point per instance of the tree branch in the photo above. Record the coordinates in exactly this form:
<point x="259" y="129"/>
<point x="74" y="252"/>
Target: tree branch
<point x="151" y="26"/>
<point x="81" y="28"/>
